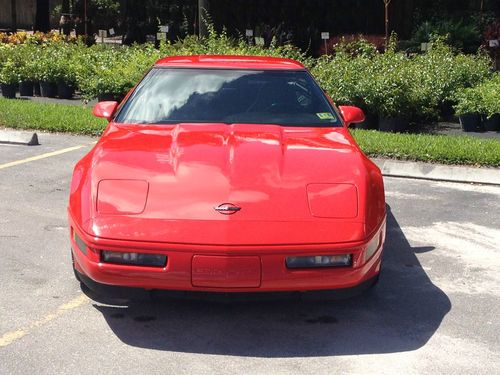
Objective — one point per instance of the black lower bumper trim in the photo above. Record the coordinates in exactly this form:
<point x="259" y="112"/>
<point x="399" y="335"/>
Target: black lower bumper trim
<point x="131" y="293"/>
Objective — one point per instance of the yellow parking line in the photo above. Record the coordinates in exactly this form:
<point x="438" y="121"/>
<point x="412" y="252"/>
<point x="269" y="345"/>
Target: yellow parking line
<point x="9" y="337"/>
<point x="42" y="156"/>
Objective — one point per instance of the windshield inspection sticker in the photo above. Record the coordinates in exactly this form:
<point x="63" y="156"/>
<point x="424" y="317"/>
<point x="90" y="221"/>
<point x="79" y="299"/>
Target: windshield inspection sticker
<point x="326" y="116"/>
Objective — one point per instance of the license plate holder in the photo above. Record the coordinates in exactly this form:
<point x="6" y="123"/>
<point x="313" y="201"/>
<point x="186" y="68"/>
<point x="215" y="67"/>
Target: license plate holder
<point x="215" y="271"/>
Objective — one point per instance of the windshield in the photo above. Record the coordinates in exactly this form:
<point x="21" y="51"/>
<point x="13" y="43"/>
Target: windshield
<point x="174" y="95"/>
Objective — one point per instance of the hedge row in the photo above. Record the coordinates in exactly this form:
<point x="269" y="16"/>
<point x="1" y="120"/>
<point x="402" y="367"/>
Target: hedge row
<point x="392" y="84"/>
<point x="389" y="84"/>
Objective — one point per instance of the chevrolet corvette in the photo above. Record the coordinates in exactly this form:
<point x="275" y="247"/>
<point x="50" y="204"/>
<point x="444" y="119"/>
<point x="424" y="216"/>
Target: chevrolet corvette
<point x="227" y="174"/>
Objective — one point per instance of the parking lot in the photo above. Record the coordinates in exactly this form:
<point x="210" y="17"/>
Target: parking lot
<point x="435" y="309"/>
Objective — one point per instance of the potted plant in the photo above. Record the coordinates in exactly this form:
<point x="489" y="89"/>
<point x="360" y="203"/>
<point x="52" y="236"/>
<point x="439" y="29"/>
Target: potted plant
<point x="387" y="90"/>
<point x="26" y="60"/>
<point x="343" y="75"/>
<point x="65" y="77"/>
<point x="392" y="103"/>
<point x="8" y="79"/>
<point x="109" y="84"/>
<point x="490" y="92"/>
<point x="469" y="108"/>
<point x="46" y="74"/>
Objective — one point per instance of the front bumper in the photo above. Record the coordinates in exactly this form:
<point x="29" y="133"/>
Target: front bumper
<point x="98" y="290"/>
<point x="177" y="275"/>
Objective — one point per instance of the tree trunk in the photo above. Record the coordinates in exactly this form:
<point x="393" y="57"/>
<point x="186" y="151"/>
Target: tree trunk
<point x="203" y="8"/>
<point x="42" y="17"/>
<point x="386" y="19"/>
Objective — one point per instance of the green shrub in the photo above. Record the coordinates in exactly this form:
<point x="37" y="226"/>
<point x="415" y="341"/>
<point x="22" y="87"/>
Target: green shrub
<point x="359" y="47"/>
<point x="344" y="77"/>
<point x="383" y="84"/>
<point x="222" y="44"/>
<point x="112" y="71"/>
<point x="389" y="91"/>
<point x="491" y="96"/>
<point x="8" y="75"/>
<point x="394" y="85"/>
<point x="105" y="70"/>
<point x="65" y="63"/>
<point x="484" y="98"/>
<point x="390" y="84"/>
<point x="441" y="73"/>
<point x="26" y="59"/>
<point x="469" y="101"/>
<point x="46" y="69"/>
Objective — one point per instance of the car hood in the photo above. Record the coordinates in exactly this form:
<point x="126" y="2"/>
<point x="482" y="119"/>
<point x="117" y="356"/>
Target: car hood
<point x="293" y="184"/>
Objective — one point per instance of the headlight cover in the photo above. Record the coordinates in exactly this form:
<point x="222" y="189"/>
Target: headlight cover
<point x="333" y="200"/>
<point x="122" y="197"/>
<point x="134" y="259"/>
<point x="318" y="261"/>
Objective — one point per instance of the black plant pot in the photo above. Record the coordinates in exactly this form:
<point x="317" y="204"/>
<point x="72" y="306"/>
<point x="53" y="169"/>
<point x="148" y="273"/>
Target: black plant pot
<point x="65" y="91"/>
<point x="446" y="111"/>
<point x="26" y="88"/>
<point x="491" y="124"/>
<point x="8" y="90"/>
<point x="393" y="124"/>
<point x="371" y="122"/>
<point x="471" y="122"/>
<point x="48" y="89"/>
<point x="36" y="89"/>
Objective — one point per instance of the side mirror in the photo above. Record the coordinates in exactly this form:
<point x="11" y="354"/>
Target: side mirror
<point x="105" y="110"/>
<point x="351" y="114"/>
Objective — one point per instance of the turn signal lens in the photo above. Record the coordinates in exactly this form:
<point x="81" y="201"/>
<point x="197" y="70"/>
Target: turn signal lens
<point x="79" y="242"/>
<point x="372" y="247"/>
<point x="344" y="260"/>
<point x="135" y="259"/>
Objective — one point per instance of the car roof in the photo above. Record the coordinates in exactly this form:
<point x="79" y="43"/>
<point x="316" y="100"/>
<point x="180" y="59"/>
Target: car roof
<point x="230" y="62"/>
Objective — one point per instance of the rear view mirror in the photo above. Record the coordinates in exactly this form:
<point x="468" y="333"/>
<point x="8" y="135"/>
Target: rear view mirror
<point x="105" y="110"/>
<point x="351" y="114"/>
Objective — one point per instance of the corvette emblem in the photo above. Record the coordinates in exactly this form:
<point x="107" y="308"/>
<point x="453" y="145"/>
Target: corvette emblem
<point x="227" y="208"/>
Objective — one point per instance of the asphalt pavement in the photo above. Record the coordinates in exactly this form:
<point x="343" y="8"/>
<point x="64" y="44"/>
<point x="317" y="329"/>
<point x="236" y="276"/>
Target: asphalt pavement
<point x="435" y="309"/>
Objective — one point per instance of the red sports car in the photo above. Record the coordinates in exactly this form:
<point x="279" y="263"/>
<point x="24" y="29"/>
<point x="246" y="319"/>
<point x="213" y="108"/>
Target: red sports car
<point x="227" y="174"/>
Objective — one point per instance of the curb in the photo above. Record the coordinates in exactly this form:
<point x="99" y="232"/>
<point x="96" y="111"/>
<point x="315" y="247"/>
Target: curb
<point x="438" y="172"/>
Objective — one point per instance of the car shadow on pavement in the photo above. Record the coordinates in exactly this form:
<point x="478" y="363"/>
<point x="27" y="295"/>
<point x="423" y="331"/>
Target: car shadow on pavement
<point x="400" y="314"/>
